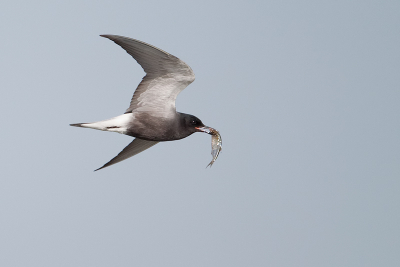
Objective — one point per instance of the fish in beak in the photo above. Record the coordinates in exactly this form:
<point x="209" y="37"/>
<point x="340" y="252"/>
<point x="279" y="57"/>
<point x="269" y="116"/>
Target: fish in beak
<point x="216" y="142"/>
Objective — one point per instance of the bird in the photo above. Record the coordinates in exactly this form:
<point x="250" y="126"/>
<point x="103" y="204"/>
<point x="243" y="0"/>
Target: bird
<point x="151" y="116"/>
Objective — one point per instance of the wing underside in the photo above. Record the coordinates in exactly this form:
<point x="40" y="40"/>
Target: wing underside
<point x="135" y="147"/>
<point x="166" y="76"/>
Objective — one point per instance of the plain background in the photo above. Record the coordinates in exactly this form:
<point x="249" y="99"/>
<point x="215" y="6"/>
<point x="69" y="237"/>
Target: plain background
<point x="306" y="95"/>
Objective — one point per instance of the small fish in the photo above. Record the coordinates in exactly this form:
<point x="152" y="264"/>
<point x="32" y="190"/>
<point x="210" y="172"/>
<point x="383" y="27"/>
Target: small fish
<point x="216" y="145"/>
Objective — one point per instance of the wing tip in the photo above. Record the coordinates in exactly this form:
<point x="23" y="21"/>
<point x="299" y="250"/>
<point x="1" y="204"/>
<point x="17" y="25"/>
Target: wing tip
<point x="109" y="36"/>
<point x="98" y="169"/>
<point x="102" y="167"/>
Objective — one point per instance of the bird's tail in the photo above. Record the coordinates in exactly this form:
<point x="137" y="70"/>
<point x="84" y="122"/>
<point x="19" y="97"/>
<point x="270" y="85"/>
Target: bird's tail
<point x="93" y="125"/>
<point x="77" y="124"/>
<point x="117" y="124"/>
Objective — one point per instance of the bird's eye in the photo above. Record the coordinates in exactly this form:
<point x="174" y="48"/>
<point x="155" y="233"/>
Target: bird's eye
<point x="193" y="122"/>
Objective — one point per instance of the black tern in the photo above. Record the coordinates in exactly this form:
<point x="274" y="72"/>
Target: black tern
<point x="151" y="117"/>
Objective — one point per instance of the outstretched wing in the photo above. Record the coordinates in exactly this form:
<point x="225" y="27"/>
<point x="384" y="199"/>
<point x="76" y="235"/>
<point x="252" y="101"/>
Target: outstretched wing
<point x="166" y="76"/>
<point x="135" y="147"/>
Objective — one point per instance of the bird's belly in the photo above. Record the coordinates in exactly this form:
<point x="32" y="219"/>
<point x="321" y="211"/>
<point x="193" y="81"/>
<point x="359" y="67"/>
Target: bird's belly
<point x="152" y="134"/>
<point x="152" y="128"/>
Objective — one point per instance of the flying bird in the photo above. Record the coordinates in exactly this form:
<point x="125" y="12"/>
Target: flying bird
<point x="151" y="116"/>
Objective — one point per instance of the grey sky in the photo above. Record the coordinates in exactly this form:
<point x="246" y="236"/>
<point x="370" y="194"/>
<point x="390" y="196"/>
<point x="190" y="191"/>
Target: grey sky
<point x="305" y="94"/>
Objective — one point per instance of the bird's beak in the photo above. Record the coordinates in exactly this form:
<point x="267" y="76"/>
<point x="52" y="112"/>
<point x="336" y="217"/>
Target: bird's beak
<point x="204" y="129"/>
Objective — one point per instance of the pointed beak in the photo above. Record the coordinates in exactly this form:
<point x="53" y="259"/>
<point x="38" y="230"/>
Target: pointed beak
<point x="204" y="129"/>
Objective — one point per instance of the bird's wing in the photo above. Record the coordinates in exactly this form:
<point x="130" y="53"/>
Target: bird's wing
<point x="135" y="147"/>
<point x="166" y="76"/>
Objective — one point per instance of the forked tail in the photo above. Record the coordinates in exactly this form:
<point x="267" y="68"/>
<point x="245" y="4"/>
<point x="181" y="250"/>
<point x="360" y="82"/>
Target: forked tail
<point x="77" y="124"/>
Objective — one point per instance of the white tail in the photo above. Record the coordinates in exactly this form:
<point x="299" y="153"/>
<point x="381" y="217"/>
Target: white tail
<point x="117" y="124"/>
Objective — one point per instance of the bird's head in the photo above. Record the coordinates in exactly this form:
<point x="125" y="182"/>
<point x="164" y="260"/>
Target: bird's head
<point x="194" y="124"/>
